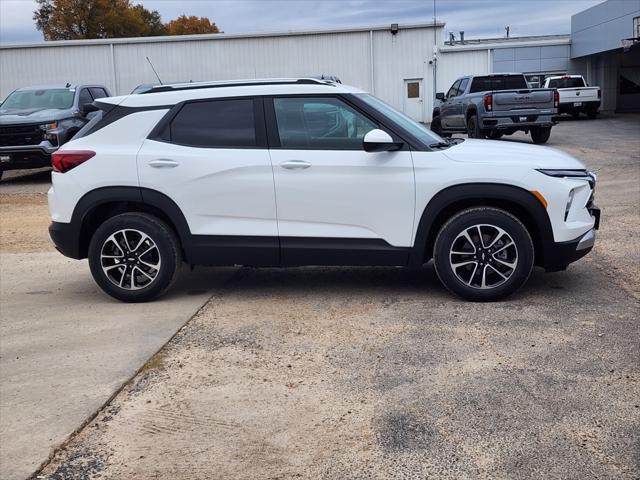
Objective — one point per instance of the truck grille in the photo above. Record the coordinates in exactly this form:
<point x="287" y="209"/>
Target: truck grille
<point x="17" y="135"/>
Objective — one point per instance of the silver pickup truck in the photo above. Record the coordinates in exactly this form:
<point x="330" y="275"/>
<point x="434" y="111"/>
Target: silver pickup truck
<point x="495" y="105"/>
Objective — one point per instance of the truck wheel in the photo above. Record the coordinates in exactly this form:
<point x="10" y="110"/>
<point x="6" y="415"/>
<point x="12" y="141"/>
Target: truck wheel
<point x="134" y="257"/>
<point x="494" y="135"/>
<point x="483" y="254"/>
<point x="540" y="134"/>
<point x="436" y="126"/>
<point x="473" y="129"/>
<point x="575" y="114"/>
<point x="592" y="114"/>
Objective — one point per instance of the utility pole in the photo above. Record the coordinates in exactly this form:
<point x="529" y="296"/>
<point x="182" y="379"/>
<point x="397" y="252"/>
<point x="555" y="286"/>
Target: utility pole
<point x="434" y="55"/>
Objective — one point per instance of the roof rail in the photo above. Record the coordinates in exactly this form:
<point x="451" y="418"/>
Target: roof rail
<point x="238" y="83"/>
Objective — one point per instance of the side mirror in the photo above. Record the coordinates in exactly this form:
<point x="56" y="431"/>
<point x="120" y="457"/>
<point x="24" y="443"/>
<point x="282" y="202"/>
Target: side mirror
<point x="87" y="108"/>
<point x="440" y="96"/>
<point x="379" y="141"/>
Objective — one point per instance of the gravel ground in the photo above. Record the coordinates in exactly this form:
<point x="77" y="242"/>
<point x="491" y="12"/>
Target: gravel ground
<point x="379" y="373"/>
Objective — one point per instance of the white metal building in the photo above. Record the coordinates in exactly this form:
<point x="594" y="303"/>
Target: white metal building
<point x="402" y="64"/>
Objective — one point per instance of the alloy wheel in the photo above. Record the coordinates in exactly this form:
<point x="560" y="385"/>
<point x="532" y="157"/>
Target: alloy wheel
<point x="130" y="259"/>
<point x="483" y="256"/>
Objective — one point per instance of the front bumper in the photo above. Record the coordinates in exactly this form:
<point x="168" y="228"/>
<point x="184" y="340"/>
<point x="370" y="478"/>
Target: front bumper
<point x="26" y="156"/>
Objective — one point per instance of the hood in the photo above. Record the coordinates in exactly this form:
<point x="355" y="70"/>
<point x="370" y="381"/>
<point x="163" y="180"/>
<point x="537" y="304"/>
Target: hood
<point x="500" y="152"/>
<point x="16" y="117"/>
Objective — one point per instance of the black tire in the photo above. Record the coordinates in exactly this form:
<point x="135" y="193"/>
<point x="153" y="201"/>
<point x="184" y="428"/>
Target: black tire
<point x="436" y="126"/>
<point x="592" y="114"/>
<point x="1" y="173"/>
<point x="494" y="135"/>
<point x="167" y="255"/>
<point x="473" y="129"/>
<point x="467" y="280"/>
<point x="575" y="114"/>
<point x="540" y="134"/>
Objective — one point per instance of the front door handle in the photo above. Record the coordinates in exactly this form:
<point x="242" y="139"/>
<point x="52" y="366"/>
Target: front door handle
<point x="163" y="163"/>
<point x="295" y="164"/>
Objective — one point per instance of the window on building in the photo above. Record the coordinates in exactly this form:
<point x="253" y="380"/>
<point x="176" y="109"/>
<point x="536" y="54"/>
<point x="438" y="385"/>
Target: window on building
<point x="215" y="123"/>
<point x="636" y="26"/>
<point x="325" y="123"/>
<point x="413" y="90"/>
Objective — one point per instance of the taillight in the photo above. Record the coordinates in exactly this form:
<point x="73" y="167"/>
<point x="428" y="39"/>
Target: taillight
<point x="65" y="161"/>
<point x="556" y="99"/>
<point x="488" y="102"/>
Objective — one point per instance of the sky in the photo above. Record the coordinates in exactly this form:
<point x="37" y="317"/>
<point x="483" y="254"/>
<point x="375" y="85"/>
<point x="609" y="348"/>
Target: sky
<point x="478" y="18"/>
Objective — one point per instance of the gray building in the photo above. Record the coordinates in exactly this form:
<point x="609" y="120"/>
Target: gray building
<point x="605" y="48"/>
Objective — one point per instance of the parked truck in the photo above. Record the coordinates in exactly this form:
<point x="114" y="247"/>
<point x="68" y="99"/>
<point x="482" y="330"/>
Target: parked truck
<point x="576" y="95"/>
<point x="495" y="105"/>
<point x="35" y="121"/>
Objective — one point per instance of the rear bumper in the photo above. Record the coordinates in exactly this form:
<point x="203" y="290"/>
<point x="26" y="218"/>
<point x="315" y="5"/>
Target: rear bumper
<point x="27" y="156"/>
<point x="517" y="122"/>
<point x="568" y="107"/>
<point x="66" y="239"/>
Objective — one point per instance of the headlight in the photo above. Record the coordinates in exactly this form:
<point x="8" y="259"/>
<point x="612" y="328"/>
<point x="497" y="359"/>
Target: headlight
<point x="49" y="126"/>
<point x="566" y="173"/>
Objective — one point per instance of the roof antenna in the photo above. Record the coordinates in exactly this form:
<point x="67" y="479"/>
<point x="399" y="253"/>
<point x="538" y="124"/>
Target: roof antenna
<point x="507" y="29"/>
<point x="154" y="70"/>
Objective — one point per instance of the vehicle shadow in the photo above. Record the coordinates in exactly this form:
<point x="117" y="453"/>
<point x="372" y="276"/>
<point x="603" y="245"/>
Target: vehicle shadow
<point x="20" y="177"/>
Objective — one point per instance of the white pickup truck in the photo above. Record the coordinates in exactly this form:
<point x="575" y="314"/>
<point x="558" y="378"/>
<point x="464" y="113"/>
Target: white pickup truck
<point x="575" y="95"/>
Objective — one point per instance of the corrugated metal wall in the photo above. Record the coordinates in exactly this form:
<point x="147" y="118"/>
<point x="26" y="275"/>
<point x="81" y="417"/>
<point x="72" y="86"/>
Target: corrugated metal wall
<point x="374" y="60"/>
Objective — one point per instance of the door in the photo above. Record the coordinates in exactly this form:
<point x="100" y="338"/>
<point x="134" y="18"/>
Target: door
<point x="337" y="204"/>
<point x="413" y="101"/>
<point x="458" y="106"/>
<point x="448" y="107"/>
<point x="211" y="159"/>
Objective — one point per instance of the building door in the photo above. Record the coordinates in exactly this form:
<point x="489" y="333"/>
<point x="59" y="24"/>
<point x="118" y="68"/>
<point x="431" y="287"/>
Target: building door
<point x="413" y="99"/>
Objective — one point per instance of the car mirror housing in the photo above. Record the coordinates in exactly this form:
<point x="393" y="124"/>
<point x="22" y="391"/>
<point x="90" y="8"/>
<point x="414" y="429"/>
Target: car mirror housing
<point x="440" y="96"/>
<point x="86" y="108"/>
<point x="379" y="141"/>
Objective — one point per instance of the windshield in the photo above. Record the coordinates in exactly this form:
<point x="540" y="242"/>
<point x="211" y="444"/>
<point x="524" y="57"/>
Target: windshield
<point x="416" y="129"/>
<point x="56" y="98"/>
<point x="568" y="82"/>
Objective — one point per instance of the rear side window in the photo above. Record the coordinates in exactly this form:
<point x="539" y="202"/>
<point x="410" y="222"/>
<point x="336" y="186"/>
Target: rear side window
<point x="215" y="123"/>
<point x="566" y="83"/>
<point x="498" y="82"/>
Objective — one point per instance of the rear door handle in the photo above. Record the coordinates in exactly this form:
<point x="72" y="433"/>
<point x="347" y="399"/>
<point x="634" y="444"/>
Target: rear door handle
<point x="163" y="163"/>
<point x="295" y="164"/>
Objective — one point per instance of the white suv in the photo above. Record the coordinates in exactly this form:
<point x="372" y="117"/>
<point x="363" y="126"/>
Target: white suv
<point x="295" y="172"/>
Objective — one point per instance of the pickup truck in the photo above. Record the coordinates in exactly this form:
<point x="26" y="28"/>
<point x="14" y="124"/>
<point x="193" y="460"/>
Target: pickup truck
<point x="575" y="95"/>
<point x="35" y="121"/>
<point x="495" y="105"/>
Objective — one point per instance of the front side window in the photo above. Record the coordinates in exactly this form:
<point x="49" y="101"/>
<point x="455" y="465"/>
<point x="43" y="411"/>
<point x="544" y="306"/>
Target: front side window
<point x="453" y="91"/>
<point x="463" y="86"/>
<point x="85" y="97"/>
<point x="325" y="123"/>
<point x="97" y="93"/>
<point x="215" y="124"/>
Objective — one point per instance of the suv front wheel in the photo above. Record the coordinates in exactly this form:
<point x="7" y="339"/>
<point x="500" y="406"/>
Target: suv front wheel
<point x="134" y="257"/>
<point x="483" y="254"/>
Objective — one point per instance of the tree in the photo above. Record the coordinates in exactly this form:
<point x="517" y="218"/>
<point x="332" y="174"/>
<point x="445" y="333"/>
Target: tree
<point x="191" y="25"/>
<point x="79" y="19"/>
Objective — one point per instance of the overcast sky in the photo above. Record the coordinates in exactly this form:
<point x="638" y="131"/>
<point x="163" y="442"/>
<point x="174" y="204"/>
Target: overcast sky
<point x="478" y="18"/>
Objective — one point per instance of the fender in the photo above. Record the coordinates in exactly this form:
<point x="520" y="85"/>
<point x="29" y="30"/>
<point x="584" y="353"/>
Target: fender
<point x="451" y="200"/>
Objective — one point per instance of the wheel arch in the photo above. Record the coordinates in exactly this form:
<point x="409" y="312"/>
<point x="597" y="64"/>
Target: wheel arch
<point x="471" y="110"/>
<point x="446" y="203"/>
<point x="103" y="203"/>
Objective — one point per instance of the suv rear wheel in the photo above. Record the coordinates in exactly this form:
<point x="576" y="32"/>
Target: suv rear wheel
<point x="483" y="254"/>
<point x="134" y="257"/>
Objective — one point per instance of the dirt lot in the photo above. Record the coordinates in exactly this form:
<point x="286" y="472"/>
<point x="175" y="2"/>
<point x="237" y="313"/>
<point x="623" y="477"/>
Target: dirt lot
<point x="379" y="373"/>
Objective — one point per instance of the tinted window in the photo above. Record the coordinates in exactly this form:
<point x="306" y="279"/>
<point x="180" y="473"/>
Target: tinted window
<point x="498" y="82"/>
<point x="97" y="93"/>
<point x="453" y="91"/>
<point x="320" y="123"/>
<point x="463" y="86"/>
<point x="85" y="97"/>
<point x="566" y="83"/>
<point x="215" y="123"/>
